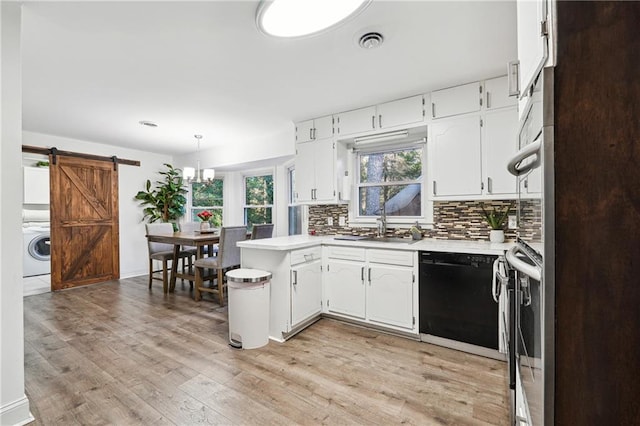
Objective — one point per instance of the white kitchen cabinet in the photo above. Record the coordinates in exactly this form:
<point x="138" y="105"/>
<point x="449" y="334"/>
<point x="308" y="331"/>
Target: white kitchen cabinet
<point x="455" y="157"/>
<point x="496" y="94"/>
<point x="532" y="27"/>
<point x="499" y="138"/>
<point x="306" y="290"/>
<point x="456" y="100"/>
<point x="390" y="295"/>
<point x="531" y="184"/>
<point x="315" y="171"/>
<point x="345" y="288"/>
<point x="392" y="114"/>
<point x="316" y="129"/>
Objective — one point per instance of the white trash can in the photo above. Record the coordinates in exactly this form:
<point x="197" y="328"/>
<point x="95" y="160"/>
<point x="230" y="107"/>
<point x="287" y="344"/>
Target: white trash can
<point x="248" y="307"/>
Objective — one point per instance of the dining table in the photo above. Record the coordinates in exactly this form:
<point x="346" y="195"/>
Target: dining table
<point x="197" y="239"/>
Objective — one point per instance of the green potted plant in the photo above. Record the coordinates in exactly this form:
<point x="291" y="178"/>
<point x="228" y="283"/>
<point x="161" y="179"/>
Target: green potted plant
<point x="165" y="201"/>
<point x="496" y="219"/>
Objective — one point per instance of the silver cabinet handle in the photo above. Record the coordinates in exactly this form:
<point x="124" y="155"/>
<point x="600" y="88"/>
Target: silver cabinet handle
<point x="489" y="185"/>
<point x="434" y="187"/>
<point x="380" y="121"/>
<point x="515" y="166"/>
<point x="311" y="133"/>
<point x="488" y="101"/>
<point x="433" y="109"/>
<point x="295" y="277"/>
<point x="362" y="274"/>
<point x="369" y="276"/>
<point x="513" y="69"/>
<point x="314" y="133"/>
<point x="373" y="121"/>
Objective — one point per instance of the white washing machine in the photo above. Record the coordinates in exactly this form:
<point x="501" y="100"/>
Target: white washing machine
<point x="37" y="250"/>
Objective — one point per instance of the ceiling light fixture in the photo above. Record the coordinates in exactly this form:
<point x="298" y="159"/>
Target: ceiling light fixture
<point x="298" y="18"/>
<point x="147" y="123"/>
<point x="192" y="175"/>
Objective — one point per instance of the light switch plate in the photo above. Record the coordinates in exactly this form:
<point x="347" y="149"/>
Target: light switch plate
<point x="330" y="221"/>
<point x="342" y="221"/>
<point x="513" y="223"/>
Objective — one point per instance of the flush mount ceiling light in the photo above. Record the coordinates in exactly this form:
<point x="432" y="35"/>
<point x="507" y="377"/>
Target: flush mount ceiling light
<point x="298" y="18"/>
<point x="195" y="175"/>
<point x="147" y="123"/>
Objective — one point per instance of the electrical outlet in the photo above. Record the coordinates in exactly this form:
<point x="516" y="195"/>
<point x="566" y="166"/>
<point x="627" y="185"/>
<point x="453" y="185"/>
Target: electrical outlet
<point x="330" y="221"/>
<point x="342" y="221"/>
<point x="513" y="223"/>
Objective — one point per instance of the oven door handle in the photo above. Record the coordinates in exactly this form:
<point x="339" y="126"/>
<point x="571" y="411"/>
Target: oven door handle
<point x="499" y="278"/>
<point x="520" y="266"/>
<point x="515" y="165"/>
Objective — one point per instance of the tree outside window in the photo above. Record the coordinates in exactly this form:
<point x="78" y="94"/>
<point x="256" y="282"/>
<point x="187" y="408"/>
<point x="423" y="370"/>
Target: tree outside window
<point x="207" y="196"/>
<point x="392" y="179"/>
<point x="258" y="207"/>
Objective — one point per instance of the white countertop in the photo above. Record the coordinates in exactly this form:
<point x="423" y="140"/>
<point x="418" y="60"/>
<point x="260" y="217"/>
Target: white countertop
<point x="426" y="244"/>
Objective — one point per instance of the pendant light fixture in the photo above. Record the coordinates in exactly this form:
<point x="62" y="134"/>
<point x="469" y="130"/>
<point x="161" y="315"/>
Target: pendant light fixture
<point x="196" y="175"/>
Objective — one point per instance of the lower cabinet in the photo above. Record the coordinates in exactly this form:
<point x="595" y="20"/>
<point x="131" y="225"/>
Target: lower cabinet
<point x="373" y="286"/>
<point x="306" y="291"/>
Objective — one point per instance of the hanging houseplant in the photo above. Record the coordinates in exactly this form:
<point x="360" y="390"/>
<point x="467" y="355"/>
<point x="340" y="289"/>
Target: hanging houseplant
<point x="165" y="202"/>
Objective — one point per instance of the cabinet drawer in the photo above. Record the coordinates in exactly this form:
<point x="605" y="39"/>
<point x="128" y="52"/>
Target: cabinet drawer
<point x="306" y="255"/>
<point x="346" y="253"/>
<point x="391" y="257"/>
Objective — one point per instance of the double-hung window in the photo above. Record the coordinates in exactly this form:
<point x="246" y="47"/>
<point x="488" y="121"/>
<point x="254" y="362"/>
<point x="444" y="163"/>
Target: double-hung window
<point x="207" y="196"/>
<point x="390" y="182"/>
<point x="258" y="199"/>
<point x="295" y="211"/>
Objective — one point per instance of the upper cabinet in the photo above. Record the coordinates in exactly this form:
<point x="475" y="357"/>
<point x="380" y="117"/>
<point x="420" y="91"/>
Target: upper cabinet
<point x="310" y="130"/>
<point x="36" y="185"/>
<point x="456" y="100"/>
<point x="496" y="94"/>
<point x="401" y="112"/>
<point x="533" y="50"/>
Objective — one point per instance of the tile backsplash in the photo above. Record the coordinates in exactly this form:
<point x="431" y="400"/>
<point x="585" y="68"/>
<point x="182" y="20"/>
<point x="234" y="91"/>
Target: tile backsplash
<point x="458" y="220"/>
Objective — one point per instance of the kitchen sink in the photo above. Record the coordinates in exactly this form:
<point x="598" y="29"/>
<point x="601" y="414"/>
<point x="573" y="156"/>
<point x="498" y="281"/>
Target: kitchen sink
<point x="391" y="240"/>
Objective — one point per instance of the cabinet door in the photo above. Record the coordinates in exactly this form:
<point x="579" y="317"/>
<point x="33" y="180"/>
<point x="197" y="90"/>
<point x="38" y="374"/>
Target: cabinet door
<point x="496" y="93"/>
<point x="305" y="171"/>
<point x="531" y="184"/>
<point x="36" y="185"/>
<point x="499" y="139"/>
<point x="532" y="44"/>
<point x="356" y="121"/>
<point x="345" y="288"/>
<point x="390" y="295"/>
<point x="324" y="164"/>
<point x="304" y="131"/>
<point x="455" y="157"/>
<point x="323" y="127"/>
<point x="306" y="291"/>
<point x="455" y="100"/>
<point x="401" y="112"/>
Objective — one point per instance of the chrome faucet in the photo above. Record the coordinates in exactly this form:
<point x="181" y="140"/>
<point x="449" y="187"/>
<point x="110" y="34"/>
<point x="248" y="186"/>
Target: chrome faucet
<point x="382" y="222"/>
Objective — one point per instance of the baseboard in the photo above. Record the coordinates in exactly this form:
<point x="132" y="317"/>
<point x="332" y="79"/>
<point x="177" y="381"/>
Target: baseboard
<point x="16" y="413"/>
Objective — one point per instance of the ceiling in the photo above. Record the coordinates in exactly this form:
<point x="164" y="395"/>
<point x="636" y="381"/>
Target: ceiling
<point x="93" y="70"/>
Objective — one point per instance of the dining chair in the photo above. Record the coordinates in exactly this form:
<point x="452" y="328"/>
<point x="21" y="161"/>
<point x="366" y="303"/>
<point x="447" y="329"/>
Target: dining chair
<point x="264" y="230"/>
<point x="228" y="258"/>
<point x="163" y="253"/>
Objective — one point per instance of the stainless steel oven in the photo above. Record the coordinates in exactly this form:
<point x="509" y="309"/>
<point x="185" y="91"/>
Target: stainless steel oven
<point x="531" y="322"/>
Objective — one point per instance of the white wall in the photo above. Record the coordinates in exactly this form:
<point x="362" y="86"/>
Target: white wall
<point x="131" y="179"/>
<point x="14" y="405"/>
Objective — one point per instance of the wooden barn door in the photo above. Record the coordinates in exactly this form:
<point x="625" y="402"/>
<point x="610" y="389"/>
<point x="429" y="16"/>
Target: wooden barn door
<point x="84" y="222"/>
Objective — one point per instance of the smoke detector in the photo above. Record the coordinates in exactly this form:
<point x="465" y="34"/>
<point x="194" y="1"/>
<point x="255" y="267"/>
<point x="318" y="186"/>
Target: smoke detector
<point x="370" y="40"/>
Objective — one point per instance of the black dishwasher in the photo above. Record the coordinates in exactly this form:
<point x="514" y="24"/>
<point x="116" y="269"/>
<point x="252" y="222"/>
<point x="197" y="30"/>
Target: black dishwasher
<point x="456" y="301"/>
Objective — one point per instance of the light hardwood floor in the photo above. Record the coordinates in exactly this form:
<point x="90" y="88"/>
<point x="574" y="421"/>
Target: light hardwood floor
<point x="116" y="353"/>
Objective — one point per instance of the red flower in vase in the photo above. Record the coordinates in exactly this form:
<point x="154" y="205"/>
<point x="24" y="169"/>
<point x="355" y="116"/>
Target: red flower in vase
<point x="205" y="215"/>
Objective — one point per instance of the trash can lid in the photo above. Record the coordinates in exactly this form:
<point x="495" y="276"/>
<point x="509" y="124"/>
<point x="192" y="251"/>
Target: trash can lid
<point x="244" y="275"/>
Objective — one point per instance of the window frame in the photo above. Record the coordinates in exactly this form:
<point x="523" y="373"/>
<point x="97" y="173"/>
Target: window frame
<point x="426" y="204"/>
<point x="291" y="199"/>
<point x="190" y="207"/>
<point x="257" y="173"/>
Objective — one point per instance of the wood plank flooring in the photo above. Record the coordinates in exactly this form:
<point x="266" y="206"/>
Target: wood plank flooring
<point x="117" y="353"/>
